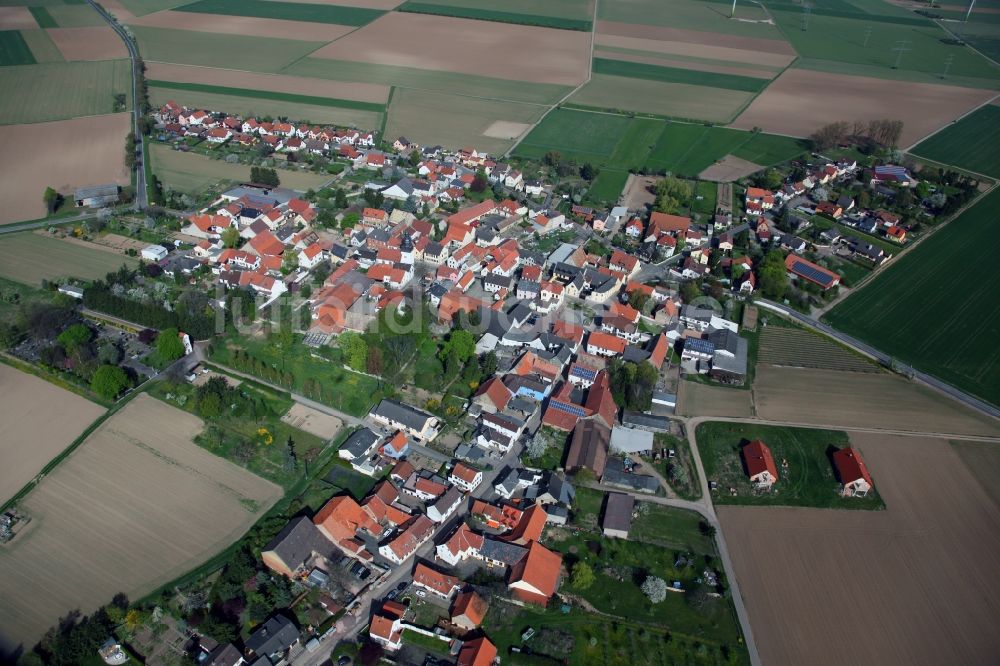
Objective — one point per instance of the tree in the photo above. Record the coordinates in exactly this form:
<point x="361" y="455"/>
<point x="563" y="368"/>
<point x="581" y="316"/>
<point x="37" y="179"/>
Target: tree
<point x="109" y="353"/>
<point x="655" y="588"/>
<point x="582" y="577"/>
<point x="355" y="350"/>
<point x="689" y="292"/>
<point x="829" y="135"/>
<point x="109" y="381"/>
<point x="53" y="200"/>
<point x="231" y="237"/>
<point x="414" y="158"/>
<point x="671" y="194"/>
<point x="75" y="336"/>
<point x="480" y="182"/>
<point x="552" y="158"/>
<point x="264" y="176"/>
<point x="588" y="171"/>
<point x="537" y="445"/>
<point x="460" y="344"/>
<point x="169" y="345"/>
<point x="772" y="275"/>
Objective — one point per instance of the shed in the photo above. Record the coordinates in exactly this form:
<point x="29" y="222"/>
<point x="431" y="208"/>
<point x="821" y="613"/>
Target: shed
<point x="617" y="515"/>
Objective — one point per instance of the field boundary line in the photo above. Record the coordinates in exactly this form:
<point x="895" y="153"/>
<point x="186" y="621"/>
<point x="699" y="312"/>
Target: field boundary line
<point x="590" y="75"/>
<point x="944" y="127"/>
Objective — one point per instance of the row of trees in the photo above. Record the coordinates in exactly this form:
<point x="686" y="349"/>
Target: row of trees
<point x="883" y="132"/>
<point x="264" y="176"/>
<point x="199" y="325"/>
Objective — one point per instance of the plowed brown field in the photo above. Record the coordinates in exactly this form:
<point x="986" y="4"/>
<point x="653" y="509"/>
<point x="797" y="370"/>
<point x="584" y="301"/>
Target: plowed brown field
<point x="136" y="505"/>
<point x="95" y="43"/>
<point x="915" y="584"/>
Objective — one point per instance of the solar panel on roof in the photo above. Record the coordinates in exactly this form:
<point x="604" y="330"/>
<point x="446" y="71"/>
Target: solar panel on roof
<point x="575" y="410"/>
<point x="812" y="273"/>
<point x="585" y="373"/>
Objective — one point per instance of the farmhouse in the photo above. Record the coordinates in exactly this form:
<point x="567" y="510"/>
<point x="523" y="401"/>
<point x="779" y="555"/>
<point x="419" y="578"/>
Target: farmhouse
<point x="588" y="447"/>
<point x="412" y="421"/>
<point x="272" y="640"/>
<point x="852" y="472"/>
<point x="536" y="577"/>
<point x="96" y="196"/>
<point x="434" y="581"/>
<point x="811" y="272"/>
<point x="291" y="551"/>
<point x="469" y="610"/>
<point x="759" y="464"/>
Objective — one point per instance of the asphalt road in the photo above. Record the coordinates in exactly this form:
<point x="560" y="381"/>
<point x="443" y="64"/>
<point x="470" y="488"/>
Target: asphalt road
<point x="141" y="197"/>
<point x="885" y="359"/>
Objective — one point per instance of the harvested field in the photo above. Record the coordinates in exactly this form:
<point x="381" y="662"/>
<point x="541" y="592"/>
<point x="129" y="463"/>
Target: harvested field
<point x="313" y="421"/>
<point x="16" y="18"/>
<point x="190" y="172"/>
<point x="232" y="51"/>
<point x="795" y="347"/>
<point x="799" y="102"/>
<point x="541" y="55"/>
<point x="659" y="33"/>
<point x="248" y="105"/>
<point x="135" y="506"/>
<point x="677" y="100"/>
<point x="914" y="584"/>
<point x="32" y="438"/>
<point x="875" y="400"/>
<point x="283" y="83"/>
<point x="249" y="26"/>
<point x="453" y="120"/>
<point x="21" y="259"/>
<point x="982" y="459"/>
<point x="696" y="399"/>
<point x="425" y="79"/>
<point x="64" y="155"/>
<point x="505" y="129"/>
<point x="687" y="49"/>
<point x="97" y="43"/>
<point x="729" y="169"/>
<point x="62" y="90"/>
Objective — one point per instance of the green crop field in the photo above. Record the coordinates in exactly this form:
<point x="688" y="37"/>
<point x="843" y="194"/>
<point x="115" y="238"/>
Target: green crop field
<point x="143" y="7"/>
<point x="807" y="480"/>
<point x="30" y="258"/>
<point x="14" y="50"/>
<point x="620" y="143"/>
<point x="973" y="143"/>
<point x="262" y="106"/>
<point x="259" y="54"/>
<point x="837" y="35"/>
<point x="608" y="185"/>
<point x="57" y="91"/>
<point x="42" y="46"/>
<point x="689" y="15"/>
<point x="292" y="98"/>
<point x="639" y="70"/>
<point x="937" y="307"/>
<point x="74" y="15"/>
<point x="42" y="17"/>
<point x="482" y="14"/>
<point x="424" y="79"/>
<point x="292" y="11"/>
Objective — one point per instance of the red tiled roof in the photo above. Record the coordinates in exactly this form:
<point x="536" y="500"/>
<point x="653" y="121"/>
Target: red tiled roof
<point x="470" y="605"/>
<point x="850" y="467"/>
<point x="465" y="473"/>
<point x="529" y="527"/>
<point x="342" y="517"/>
<point x="758" y="459"/>
<point x="607" y="341"/>
<point x="494" y="389"/>
<point x="539" y="569"/>
<point x="478" y="652"/>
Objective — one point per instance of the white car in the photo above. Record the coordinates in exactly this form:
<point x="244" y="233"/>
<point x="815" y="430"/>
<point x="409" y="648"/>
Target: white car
<point x="421" y="593"/>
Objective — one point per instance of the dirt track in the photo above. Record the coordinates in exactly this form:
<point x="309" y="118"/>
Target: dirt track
<point x="64" y="154"/>
<point x="31" y="437"/>
<point x="915" y="584"/>
<point x="96" y="43"/>
<point x="484" y="48"/>
<point x="801" y="101"/>
<point x="135" y="506"/>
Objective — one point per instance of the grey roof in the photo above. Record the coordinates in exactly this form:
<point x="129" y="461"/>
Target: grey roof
<point x="437" y="290"/>
<point x="647" y="421"/>
<point x="562" y="253"/>
<point x="618" y="512"/>
<point x="452" y="497"/>
<point x="360" y="442"/>
<point x="531" y="257"/>
<point x="631" y="440"/>
<point x="399" y="412"/>
<point x="499" y="280"/>
<point x="521" y="404"/>
<point x="635" y="354"/>
<point x="734" y="365"/>
<point x="224" y="655"/>
<point x="529" y="285"/>
<point x="561" y="490"/>
<point x="297" y="541"/>
<point x="615" y="476"/>
<point x="696" y="313"/>
<point x="96" y="191"/>
<point x="433" y="249"/>
<point x="520" y="312"/>
<point x="276" y="635"/>
<point x="726" y="339"/>
<point x="339" y="251"/>
<point x="501" y="551"/>
<point x="469" y="452"/>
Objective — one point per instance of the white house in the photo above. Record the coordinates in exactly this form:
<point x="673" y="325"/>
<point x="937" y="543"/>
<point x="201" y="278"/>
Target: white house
<point x="154" y="253"/>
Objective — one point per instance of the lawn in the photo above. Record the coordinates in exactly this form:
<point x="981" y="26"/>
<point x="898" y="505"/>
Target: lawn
<point x="482" y="14"/>
<point x="670" y="527"/>
<point x="807" y="480"/>
<point x="248" y="104"/>
<point x="292" y="11"/>
<point x="608" y="186"/>
<point x="14" y="294"/>
<point x="62" y="90"/>
<point x="29" y="258"/>
<point x="972" y="143"/>
<point x="14" y="50"/>
<point x="685" y="482"/>
<point x="338" y="387"/>
<point x="620" y="567"/>
<point x="193" y="173"/>
<point x="639" y="70"/>
<point x="186" y="47"/>
<point x="937" y="307"/>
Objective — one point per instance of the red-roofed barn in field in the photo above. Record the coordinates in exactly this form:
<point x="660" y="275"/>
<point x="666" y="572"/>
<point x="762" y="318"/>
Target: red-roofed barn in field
<point x="760" y="464"/>
<point x="852" y="473"/>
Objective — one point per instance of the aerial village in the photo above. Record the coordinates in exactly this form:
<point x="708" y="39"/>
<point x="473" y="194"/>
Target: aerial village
<point x="571" y="304"/>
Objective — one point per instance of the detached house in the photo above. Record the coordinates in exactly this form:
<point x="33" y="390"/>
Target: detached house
<point x="852" y="473"/>
<point x="759" y="465"/>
